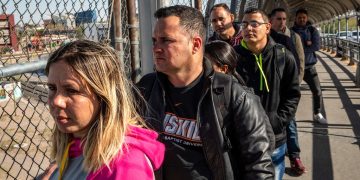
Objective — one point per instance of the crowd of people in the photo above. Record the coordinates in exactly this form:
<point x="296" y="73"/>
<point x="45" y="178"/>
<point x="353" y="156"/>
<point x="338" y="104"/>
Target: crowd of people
<point x="217" y="108"/>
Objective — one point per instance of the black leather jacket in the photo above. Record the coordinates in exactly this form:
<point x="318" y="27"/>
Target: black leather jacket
<point x="281" y="101"/>
<point x="249" y="156"/>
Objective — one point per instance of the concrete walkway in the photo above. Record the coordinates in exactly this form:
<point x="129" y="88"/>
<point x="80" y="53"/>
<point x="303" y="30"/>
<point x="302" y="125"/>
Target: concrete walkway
<point x="330" y="151"/>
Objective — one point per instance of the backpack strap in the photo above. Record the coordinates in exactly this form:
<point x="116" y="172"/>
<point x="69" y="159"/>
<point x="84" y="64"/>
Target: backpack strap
<point x="280" y="59"/>
<point x="222" y="90"/>
<point x="293" y="36"/>
<point x="222" y="84"/>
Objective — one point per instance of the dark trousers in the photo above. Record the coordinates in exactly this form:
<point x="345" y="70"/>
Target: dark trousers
<point x="312" y="79"/>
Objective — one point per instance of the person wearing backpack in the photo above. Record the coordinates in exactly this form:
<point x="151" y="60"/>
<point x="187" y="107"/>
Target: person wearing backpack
<point x="311" y="42"/>
<point x="211" y="127"/>
<point x="270" y="69"/>
<point x="292" y="41"/>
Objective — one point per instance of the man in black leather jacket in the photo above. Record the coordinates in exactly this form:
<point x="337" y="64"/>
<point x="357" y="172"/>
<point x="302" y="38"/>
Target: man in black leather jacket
<point x="270" y="69"/>
<point x="211" y="127"/>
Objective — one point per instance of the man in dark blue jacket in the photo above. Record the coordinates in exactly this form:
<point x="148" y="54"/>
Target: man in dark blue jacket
<point x="311" y="42"/>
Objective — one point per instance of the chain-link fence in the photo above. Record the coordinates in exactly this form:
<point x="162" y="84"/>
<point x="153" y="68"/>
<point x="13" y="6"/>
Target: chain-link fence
<point x="29" y="31"/>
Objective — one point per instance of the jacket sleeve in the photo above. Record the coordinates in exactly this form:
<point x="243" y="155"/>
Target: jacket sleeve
<point x="293" y="49"/>
<point x="252" y="142"/>
<point x="300" y="52"/>
<point x="289" y="90"/>
<point x="315" y="39"/>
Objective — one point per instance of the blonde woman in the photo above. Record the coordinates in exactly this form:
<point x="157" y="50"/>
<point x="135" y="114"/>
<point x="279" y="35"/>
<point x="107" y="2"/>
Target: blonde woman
<point x="98" y="132"/>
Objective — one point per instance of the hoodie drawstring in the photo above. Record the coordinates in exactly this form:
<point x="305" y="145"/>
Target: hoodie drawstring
<point x="259" y="64"/>
<point x="64" y="160"/>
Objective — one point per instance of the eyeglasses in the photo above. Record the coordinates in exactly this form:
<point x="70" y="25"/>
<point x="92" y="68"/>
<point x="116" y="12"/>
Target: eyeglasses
<point x="253" y="24"/>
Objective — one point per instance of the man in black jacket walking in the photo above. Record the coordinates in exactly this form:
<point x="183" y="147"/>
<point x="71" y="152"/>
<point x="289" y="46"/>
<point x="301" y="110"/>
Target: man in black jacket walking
<point x="211" y="127"/>
<point x="270" y="69"/>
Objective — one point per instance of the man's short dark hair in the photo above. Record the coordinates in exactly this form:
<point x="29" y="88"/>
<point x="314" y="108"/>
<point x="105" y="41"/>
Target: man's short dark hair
<point x="191" y="19"/>
<point x="274" y="11"/>
<point x="257" y="10"/>
<point x="301" y="11"/>
<point x="222" y="5"/>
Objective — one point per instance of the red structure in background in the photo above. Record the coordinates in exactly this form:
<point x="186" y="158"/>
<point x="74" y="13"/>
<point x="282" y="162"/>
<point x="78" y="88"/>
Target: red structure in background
<point x="7" y="31"/>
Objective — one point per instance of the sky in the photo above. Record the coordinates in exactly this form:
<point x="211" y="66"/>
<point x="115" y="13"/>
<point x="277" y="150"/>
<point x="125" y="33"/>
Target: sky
<point x="34" y="11"/>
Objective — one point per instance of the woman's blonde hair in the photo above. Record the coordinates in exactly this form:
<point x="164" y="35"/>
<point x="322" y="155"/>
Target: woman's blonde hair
<point x="102" y="70"/>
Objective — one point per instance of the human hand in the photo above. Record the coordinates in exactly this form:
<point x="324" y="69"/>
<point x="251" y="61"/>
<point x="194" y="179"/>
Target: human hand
<point x="48" y="171"/>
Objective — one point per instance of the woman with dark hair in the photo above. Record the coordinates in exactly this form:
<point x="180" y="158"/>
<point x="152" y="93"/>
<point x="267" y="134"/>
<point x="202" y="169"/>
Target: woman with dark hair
<point x="223" y="58"/>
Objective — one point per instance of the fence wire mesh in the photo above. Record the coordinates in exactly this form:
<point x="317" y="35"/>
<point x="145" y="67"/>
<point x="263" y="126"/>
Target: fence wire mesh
<point x="29" y="31"/>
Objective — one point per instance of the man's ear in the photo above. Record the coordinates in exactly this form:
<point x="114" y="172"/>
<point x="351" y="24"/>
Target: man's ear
<point x="197" y="44"/>
<point x="268" y="27"/>
<point x="232" y="17"/>
<point x="224" y="69"/>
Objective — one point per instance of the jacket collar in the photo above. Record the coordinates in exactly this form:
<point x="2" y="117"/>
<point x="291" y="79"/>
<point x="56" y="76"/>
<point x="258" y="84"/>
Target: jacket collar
<point x="237" y="31"/>
<point x="268" y="47"/>
<point x="297" y="27"/>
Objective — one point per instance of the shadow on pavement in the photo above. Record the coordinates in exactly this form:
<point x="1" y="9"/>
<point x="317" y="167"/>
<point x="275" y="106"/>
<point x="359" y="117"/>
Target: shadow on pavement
<point x="322" y="162"/>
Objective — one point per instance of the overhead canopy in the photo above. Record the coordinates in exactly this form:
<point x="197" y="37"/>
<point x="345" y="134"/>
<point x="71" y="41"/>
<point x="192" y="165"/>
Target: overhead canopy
<point x="319" y="10"/>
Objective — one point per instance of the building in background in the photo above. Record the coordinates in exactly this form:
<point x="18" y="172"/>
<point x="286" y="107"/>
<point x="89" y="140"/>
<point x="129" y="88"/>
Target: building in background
<point x="7" y="32"/>
<point x="95" y="31"/>
<point x="60" y="22"/>
<point x="88" y="16"/>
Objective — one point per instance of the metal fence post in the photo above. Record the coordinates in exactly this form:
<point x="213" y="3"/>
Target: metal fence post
<point x="338" y="42"/>
<point x="357" y="76"/>
<point x="241" y="10"/>
<point x="147" y="22"/>
<point x="134" y="41"/>
<point x="328" y="42"/>
<point x="117" y="28"/>
<point x="351" y="57"/>
<point x="198" y="4"/>
<point x="345" y="47"/>
<point x="333" y="42"/>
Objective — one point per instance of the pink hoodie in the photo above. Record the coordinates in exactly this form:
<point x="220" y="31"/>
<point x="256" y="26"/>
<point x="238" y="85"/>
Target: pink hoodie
<point x="143" y="155"/>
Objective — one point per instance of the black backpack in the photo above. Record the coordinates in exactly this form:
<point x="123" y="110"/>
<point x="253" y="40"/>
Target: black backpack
<point x="222" y="96"/>
<point x="280" y="52"/>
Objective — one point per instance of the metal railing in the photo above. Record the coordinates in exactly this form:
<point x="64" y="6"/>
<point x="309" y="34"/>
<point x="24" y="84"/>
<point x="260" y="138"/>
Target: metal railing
<point x="29" y="31"/>
<point x="25" y="125"/>
<point x="346" y="49"/>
